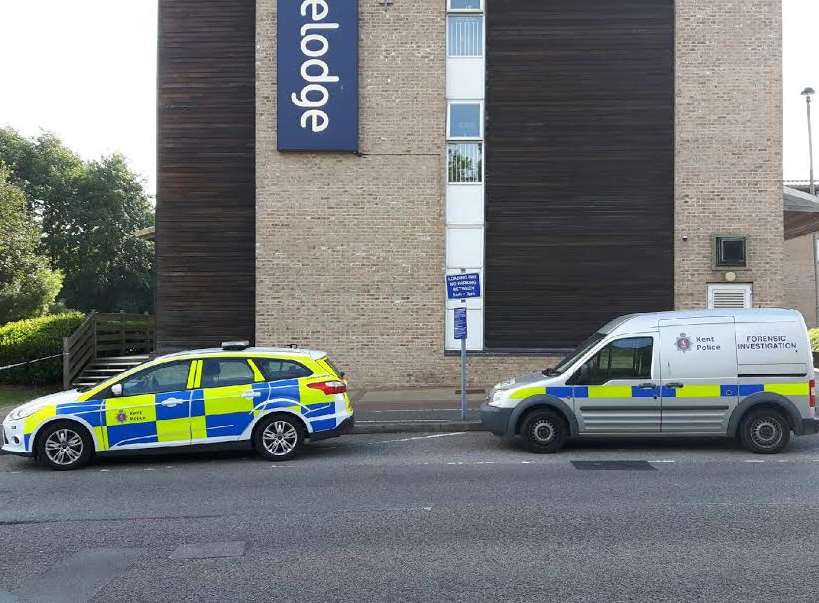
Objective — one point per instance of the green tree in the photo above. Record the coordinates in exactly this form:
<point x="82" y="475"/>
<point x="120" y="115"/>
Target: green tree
<point x="28" y="285"/>
<point x="89" y="212"/>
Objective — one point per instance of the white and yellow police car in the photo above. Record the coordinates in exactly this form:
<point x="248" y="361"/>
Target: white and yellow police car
<point x="273" y="398"/>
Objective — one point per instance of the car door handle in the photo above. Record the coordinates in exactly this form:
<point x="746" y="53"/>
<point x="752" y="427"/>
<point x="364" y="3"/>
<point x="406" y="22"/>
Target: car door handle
<point x="675" y="385"/>
<point x="171" y="402"/>
<point x="646" y="386"/>
<point x="251" y="395"/>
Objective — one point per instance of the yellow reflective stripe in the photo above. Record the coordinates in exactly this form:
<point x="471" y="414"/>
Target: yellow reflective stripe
<point x="32" y="422"/>
<point x="257" y="374"/>
<point x="197" y="382"/>
<point x="788" y="389"/>
<point x="192" y="374"/>
<point x="199" y="428"/>
<point x="698" y="391"/>
<point x="170" y="430"/>
<point x="525" y="392"/>
<point x="610" y="391"/>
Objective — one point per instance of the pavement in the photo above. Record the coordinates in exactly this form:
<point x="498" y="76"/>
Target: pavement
<point x="416" y="410"/>
<point x="424" y="517"/>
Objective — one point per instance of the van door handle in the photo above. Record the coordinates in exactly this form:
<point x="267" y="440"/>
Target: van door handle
<point x="171" y="402"/>
<point x="675" y="385"/>
<point x="646" y="386"/>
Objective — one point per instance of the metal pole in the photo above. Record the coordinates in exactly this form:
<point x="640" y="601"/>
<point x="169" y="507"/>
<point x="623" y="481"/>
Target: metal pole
<point x="810" y="148"/>
<point x="464" y="403"/>
<point x="816" y="275"/>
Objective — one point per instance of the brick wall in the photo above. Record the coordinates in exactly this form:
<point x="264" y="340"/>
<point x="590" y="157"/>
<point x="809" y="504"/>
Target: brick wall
<point x="729" y="142"/>
<point x="350" y="249"/>
<point x="800" y="277"/>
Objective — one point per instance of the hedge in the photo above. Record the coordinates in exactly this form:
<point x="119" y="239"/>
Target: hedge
<point x="814" y="339"/>
<point x="36" y="338"/>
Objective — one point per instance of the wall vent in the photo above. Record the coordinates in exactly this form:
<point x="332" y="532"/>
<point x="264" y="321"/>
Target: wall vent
<point x="729" y="296"/>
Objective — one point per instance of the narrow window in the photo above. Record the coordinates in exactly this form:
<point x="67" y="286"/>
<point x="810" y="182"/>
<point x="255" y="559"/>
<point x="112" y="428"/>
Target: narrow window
<point x="465" y="162"/>
<point x="465" y="5"/>
<point x="465" y="121"/>
<point x="465" y="35"/>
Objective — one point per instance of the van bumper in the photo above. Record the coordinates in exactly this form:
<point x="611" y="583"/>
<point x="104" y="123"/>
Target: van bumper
<point x="496" y="419"/>
<point x="809" y="426"/>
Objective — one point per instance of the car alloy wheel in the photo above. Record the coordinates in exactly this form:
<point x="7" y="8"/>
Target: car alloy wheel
<point x="280" y="438"/>
<point x="64" y="447"/>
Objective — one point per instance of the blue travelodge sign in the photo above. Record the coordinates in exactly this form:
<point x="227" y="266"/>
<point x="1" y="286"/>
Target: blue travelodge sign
<point x="317" y="75"/>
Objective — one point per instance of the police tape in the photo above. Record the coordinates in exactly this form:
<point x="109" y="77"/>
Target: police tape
<point x="19" y="364"/>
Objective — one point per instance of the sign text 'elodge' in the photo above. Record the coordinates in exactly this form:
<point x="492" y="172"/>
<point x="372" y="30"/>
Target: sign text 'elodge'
<point x="314" y="70"/>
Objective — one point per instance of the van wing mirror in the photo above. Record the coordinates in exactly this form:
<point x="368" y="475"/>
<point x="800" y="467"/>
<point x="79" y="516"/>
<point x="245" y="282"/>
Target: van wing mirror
<point x="116" y="389"/>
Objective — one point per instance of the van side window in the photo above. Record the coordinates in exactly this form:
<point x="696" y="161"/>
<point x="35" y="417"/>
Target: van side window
<point x="276" y="369"/>
<point x="622" y="359"/>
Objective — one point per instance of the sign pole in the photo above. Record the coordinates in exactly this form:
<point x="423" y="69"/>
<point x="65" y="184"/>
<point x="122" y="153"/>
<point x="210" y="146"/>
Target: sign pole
<point x="464" y="403"/>
<point x="461" y="287"/>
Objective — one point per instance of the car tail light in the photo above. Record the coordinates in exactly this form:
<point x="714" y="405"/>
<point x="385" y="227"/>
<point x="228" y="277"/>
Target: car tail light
<point x="812" y="386"/>
<point x="329" y="387"/>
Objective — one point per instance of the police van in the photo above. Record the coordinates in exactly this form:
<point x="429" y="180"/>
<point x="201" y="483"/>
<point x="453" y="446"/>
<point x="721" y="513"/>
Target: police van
<point x="741" y="373"/>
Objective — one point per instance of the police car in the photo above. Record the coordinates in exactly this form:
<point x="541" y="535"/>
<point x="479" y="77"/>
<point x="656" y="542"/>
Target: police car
<point x="273" y="398"/>
<point x="739" y="373"/>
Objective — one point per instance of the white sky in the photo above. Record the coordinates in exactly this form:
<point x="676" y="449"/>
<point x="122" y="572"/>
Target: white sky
<point x="86" y="70"/>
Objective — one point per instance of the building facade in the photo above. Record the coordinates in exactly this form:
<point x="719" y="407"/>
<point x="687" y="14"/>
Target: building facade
<point x="587" y="157"/>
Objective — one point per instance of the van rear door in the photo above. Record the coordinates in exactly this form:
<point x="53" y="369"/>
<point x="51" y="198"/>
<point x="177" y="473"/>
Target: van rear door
<point x="698" y="363"/>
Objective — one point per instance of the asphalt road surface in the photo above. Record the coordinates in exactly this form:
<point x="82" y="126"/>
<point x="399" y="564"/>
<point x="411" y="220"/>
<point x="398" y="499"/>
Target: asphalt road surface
<point x="445" y="517"/>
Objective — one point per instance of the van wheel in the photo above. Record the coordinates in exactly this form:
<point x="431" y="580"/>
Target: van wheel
<point x="764" y="432"/>
<point x="544" y="431"/>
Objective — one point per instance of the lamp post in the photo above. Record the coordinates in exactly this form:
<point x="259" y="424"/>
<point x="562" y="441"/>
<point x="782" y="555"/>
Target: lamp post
<point x="808" y="93"/>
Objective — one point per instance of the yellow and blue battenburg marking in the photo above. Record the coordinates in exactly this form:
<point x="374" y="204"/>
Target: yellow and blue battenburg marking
<point x="689" y="391"/>
<point x="198" y="414"/>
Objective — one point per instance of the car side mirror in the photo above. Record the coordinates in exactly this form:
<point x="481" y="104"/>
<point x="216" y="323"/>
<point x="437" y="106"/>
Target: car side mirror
<point x="116" y="389"/>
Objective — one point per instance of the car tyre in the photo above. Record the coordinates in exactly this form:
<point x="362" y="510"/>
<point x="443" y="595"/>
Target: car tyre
<point x="278" y="437"/>
<point x="544" y="431"/>
<point x="64" y="446"/>
<point x="764" y="431"/>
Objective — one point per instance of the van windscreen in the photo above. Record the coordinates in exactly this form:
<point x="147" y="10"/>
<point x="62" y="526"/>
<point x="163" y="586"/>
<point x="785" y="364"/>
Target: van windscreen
<point x="581" y="349"/>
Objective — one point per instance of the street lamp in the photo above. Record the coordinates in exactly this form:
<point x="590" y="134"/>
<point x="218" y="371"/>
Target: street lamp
<point x="808" y="93"/>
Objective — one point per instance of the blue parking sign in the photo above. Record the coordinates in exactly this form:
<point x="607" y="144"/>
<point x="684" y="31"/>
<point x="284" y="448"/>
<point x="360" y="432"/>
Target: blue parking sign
<point x="463" y="286"/>
<point x="460" y="323"/>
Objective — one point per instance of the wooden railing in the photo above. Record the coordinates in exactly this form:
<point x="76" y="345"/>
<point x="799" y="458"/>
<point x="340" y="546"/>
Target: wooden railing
<point x="103" y="336"/>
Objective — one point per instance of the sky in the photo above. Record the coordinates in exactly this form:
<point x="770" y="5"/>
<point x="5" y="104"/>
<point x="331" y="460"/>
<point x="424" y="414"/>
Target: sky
<point x="86" y="70"/>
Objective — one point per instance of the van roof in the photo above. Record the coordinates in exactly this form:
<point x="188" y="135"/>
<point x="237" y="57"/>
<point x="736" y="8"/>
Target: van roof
<point x="651" y="320"/>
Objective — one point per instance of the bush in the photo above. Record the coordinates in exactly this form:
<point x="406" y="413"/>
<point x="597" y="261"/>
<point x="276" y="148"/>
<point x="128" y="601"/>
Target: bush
<point x="36" y="338"/>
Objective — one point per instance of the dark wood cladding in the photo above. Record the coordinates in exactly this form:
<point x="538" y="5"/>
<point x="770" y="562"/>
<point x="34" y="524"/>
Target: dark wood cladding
<point x="579" y="167"/>
<point x="205" y="238"/>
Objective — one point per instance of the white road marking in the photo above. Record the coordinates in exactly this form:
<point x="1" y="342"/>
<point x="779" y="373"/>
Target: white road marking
<point x="753" y="461"/>
<point x="429" y="437"/>
<point x="104" y="470"/>
<point x="663" y="461"/>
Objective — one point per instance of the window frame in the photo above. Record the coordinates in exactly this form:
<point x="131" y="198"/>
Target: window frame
<point x="478" y="138"/>
<point x="575" y="378"/>
<point x="481" y="37"/>
<point x="452" y="9"/>
<point x="106" y="393"/>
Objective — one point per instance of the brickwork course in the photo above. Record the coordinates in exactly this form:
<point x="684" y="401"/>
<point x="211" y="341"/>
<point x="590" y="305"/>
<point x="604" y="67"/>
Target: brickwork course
<point x="350" y="249"/>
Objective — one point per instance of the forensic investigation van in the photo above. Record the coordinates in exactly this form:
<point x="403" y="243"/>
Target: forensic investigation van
<point x="736" y="373"/>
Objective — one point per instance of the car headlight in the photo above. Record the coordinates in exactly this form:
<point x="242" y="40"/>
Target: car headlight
<point x="22" y="412"/>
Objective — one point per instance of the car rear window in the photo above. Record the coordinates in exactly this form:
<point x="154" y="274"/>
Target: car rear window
<point x="278" y="369"/>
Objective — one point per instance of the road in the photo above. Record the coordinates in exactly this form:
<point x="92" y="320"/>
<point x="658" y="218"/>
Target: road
<point x="456" y="517"/>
